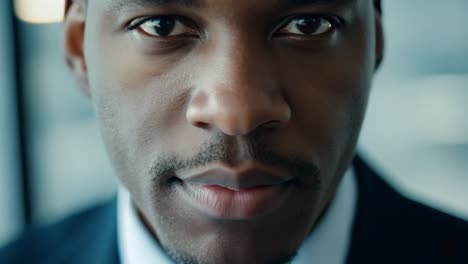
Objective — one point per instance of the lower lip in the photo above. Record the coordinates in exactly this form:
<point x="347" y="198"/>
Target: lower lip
<point x="224" y="203"/>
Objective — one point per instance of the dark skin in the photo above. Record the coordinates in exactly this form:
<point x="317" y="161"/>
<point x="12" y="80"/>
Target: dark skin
<point x="281" y="85"/>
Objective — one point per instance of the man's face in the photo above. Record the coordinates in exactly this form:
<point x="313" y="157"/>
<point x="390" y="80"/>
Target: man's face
<point x="230" y="122"/>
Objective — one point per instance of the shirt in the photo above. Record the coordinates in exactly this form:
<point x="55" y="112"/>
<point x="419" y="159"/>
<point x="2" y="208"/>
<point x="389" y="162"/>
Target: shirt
<point x="327" y="244"/>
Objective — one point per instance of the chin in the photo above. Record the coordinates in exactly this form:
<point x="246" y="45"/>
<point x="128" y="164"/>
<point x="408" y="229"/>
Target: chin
<point x="232" y="255"/>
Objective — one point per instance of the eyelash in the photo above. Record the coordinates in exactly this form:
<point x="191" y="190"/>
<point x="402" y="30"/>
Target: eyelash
<point x="136" y="23"/>
<point x="336" y="21"/>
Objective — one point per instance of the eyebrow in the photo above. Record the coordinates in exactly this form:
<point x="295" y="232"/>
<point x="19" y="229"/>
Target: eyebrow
<point x="122" y="4"/>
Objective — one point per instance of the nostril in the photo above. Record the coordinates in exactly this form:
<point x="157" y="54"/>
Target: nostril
<point x="272" y="124"/>
<point x="201" y="125"/>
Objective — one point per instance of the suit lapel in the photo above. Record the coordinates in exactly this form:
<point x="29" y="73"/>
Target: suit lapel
<point x="99" y="243"/>
<point x="374" y="197"/>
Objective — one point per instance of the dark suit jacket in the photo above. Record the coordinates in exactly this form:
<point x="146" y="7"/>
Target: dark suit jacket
<point x="388" y="228"/>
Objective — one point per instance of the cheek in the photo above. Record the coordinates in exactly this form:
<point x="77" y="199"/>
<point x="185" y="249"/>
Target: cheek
<point x="329" y="99"/>
<point x="137" y="105"/>
<point x="330" y="112"/>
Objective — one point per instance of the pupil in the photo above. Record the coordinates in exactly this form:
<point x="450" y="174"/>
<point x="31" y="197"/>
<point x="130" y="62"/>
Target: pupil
<point x="308" y="25"/>
<point x="164" y="25"/>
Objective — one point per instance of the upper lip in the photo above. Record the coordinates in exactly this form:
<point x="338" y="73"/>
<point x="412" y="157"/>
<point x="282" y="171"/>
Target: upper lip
<point x="236" y="179"/>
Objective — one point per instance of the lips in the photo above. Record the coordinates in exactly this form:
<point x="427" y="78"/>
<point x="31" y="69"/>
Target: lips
<point x="226" y="193"/>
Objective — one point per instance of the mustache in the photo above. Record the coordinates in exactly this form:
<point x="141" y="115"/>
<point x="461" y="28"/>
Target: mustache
<point x="225" y="150"/>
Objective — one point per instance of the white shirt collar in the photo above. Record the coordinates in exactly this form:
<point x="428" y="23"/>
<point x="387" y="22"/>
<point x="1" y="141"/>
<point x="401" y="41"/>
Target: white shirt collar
<point x="328" y="243"/>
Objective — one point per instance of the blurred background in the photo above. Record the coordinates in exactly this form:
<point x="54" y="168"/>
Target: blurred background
<point x="52" y="161"/>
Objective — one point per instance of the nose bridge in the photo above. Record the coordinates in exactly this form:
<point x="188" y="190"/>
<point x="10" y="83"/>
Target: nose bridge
<point x="245" y="75"/>
<point x="238" y="92"/>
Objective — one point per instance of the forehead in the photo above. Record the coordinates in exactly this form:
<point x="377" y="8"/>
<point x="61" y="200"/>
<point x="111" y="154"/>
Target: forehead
<point x="202" y="2"/>
<point x="121" y="5"/>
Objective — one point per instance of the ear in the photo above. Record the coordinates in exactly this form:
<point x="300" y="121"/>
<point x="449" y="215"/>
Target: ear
<point x="379" y="37"/>
<point x="74" y="29"/>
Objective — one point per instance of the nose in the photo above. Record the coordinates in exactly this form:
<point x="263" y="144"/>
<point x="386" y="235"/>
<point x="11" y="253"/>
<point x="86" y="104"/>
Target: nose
<point x="238" y="92"/>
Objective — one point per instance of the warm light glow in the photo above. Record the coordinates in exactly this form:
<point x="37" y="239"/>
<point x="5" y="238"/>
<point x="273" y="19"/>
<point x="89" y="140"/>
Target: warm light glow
<point x="40" y="11"/>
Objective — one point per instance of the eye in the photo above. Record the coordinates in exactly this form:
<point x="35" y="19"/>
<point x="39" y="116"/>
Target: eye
<point x="163" y="26"/>
<point x="309" y="25"/>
